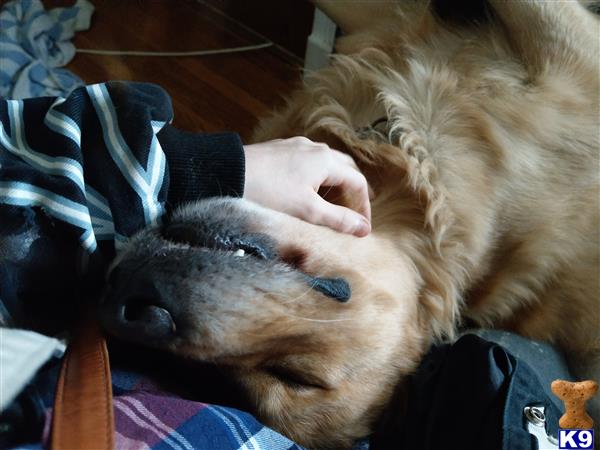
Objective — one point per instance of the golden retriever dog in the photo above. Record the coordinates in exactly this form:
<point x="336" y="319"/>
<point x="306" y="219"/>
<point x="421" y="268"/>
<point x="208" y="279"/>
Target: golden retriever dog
<point x="481" y="141"/>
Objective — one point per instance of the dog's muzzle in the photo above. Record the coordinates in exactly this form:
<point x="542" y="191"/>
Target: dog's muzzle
<point x="149" y="297"/>
<point x="137" y="307"/>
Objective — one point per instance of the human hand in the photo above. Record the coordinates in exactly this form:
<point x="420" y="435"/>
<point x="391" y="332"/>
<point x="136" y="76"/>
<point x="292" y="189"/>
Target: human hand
<point x="287" y="174"/>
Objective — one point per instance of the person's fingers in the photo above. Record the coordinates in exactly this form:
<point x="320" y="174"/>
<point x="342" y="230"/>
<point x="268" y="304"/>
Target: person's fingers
<point x="371" y="193"/>
<point x="340" y="218"/>
<point x="350" y="161"/>
<point x="345" y="158"/>
<point x="353" y="185"/>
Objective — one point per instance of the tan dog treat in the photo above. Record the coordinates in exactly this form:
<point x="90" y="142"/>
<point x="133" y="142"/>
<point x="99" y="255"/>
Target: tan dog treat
<point x="574" y="396"/>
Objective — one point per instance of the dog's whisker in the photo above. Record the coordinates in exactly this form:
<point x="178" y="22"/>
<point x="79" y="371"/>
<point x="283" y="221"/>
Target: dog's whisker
<point x="308" y="319"/>
<point x="292" y="300"/>
<point x="295" y="299"/>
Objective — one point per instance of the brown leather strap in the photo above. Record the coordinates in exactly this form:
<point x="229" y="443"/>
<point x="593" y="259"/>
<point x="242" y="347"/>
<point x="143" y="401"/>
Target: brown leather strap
<point x="83" y="412"/>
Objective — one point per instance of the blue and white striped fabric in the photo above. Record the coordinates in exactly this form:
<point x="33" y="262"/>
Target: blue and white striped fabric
<point x="35" y="43"/>
<point x="82" y="174"/>
<point x="145" y="181"/>
<point x="78" y="176"/>
<point x="41" y="164"/>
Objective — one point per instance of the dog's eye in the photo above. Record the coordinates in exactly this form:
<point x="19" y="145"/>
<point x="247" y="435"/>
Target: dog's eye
<point x="248" y="245"/>
<point x="293" y="379"/>
<point x="245" y="248"/>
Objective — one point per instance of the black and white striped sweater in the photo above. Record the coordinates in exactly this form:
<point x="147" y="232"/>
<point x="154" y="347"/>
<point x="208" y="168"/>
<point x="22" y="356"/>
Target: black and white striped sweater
<point x="79" y="176"/>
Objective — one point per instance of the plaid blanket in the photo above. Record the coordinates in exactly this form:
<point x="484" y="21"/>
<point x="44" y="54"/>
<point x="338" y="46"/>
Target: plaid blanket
<point x="147" y="417"/>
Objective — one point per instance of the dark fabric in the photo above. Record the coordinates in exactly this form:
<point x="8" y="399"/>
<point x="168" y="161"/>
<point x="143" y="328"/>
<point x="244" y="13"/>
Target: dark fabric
<point x="39" y="281"/>
<point x="544" y="359"/>
<point x="469" y="395"/>
<point x="79" y="176"/>
<point x="204" y="165"/>
<point x="23" y="420"/>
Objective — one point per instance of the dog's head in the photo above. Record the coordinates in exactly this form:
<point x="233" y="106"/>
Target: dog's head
<point x="317" y="327"/>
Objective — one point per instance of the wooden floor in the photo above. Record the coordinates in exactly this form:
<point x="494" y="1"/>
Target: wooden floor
<point x="210" y="93"/>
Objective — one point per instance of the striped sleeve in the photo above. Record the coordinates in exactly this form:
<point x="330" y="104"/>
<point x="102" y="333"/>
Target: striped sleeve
<point x="83" y="163"/>
<point x="95" y="168"/>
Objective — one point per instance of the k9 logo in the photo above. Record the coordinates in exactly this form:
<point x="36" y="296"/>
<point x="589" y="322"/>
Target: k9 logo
<point x="568" y="439"/>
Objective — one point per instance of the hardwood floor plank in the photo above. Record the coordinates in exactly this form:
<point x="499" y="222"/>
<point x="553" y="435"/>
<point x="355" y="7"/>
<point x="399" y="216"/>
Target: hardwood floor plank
<point x="210" y="93"/>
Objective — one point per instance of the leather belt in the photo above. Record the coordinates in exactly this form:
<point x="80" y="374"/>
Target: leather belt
<point x="83" y="411"/>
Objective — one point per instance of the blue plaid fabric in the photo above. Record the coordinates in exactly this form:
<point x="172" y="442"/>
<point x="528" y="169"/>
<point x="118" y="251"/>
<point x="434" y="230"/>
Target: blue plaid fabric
<point x="147" y="417"/>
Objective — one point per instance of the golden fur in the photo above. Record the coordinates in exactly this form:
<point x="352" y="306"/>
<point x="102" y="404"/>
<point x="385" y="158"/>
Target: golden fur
<point x="487" y="208"/>
<point x="487" y="177"/>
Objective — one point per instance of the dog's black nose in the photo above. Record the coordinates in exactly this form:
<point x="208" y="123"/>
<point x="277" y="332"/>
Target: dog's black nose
<point x="135" y="308"/>
<point x="141" y="316"/>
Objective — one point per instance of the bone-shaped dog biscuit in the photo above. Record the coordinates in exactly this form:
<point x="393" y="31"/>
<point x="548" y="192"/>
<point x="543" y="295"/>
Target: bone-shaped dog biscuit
<point x="574" y="396"/>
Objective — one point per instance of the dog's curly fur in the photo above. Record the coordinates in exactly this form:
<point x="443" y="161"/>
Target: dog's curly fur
<point x="493" y="146"/>
<point x="486" y="210"/>
<point x="492" y="152"/>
